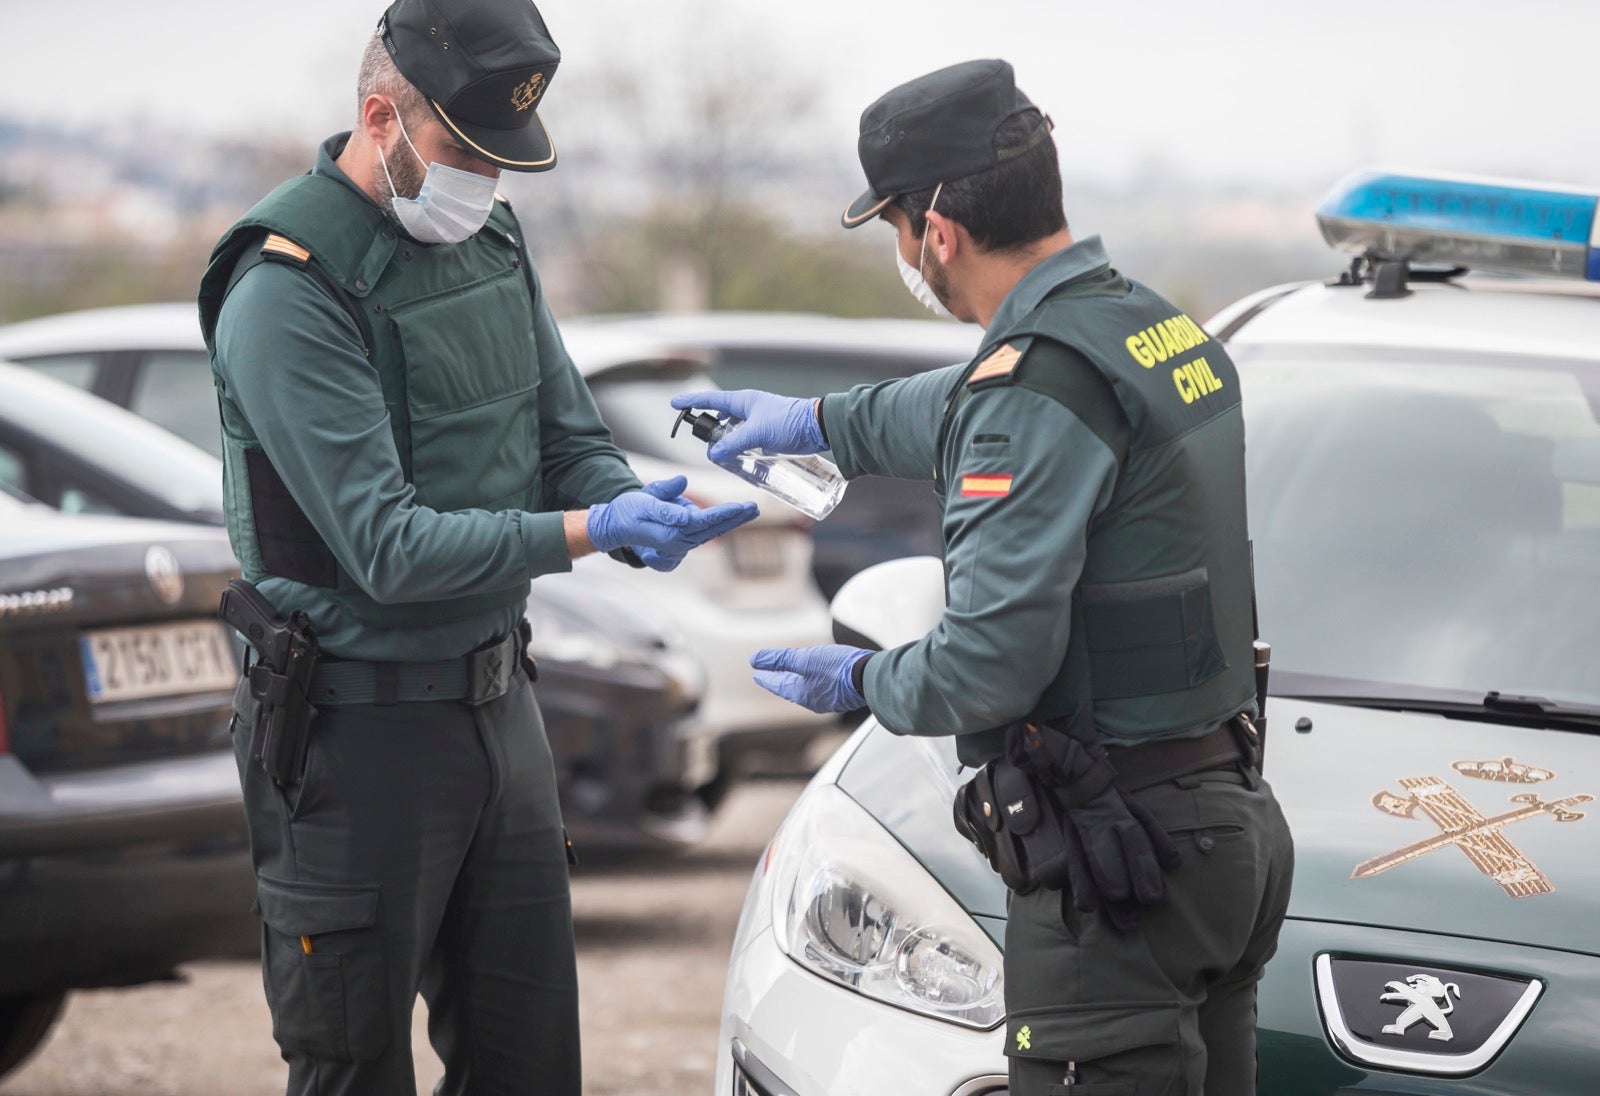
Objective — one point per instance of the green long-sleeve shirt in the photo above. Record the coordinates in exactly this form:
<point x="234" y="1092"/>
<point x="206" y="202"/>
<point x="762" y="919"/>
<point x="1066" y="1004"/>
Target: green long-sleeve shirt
<point x="289" y="357"/>
<point x="1012" y="559"/>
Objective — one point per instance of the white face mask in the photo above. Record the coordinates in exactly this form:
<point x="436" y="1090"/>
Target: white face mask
<point x="451" y="206"/>
<point x="912" y="275"/>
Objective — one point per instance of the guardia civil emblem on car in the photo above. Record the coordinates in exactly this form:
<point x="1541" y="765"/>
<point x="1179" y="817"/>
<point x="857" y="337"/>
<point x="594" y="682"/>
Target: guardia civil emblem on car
<point x="1465" y="827"/>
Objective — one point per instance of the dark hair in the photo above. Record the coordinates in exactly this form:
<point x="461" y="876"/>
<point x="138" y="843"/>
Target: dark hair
<point x="1008" y="206"/>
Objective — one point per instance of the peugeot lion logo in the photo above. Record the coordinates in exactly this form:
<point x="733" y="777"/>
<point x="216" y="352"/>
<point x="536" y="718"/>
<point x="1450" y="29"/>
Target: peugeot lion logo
<point x="166" y="577"/>
<point x="1435" y="1020"/>
<point x="1425" y="998"/>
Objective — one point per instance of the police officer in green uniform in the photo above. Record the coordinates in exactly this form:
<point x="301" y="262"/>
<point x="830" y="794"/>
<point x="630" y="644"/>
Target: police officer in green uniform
<point x="1090" y="466"/>
<point x="406" y="445"/>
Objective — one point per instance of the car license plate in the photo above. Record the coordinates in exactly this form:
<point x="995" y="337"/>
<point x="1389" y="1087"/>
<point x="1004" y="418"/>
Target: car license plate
<point x="757" y="553"/>
<point x="158" y="660"/>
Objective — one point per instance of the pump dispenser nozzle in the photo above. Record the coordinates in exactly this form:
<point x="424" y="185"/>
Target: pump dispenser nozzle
<point x="809" y="483"/>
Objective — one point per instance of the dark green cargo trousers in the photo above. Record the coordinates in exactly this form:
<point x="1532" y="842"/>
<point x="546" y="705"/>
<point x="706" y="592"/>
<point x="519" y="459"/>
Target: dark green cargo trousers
<point x="422" y="851"/>
<point x="1170" y="1009"/>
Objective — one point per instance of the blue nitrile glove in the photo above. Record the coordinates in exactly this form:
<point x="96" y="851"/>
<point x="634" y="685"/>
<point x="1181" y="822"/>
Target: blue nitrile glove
<point x="661" y="526"/>
<point x="776" y="424"/>
<point x="818" y="678"/>
<point x="665" y="561"/>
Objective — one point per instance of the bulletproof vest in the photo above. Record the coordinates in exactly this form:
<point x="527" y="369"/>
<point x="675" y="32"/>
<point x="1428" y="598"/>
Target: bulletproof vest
<point x="448" y="331"/>
<point x="1163" y="615"/>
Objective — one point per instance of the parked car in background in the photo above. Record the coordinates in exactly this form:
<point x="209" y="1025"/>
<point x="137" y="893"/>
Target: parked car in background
<point x="147" y="358"/>
<point x="1424" y="490"/>
<point x="804" y="356"/>
<point x="123" y="850"/>
<point x="749" y="593"/>
<point x="752" y="589"/>
<point x="83" y="455"/>
<point x="616" y="680"/>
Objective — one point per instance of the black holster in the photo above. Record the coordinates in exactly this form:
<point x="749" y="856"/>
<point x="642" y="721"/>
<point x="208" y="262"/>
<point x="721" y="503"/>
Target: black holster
<point x="286" y="655"/>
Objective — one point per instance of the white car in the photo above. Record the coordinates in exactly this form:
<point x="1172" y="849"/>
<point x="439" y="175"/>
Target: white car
<point x="1424" y="463"/>
<point x="805" y="356"/>
<point x="750" y="589"/>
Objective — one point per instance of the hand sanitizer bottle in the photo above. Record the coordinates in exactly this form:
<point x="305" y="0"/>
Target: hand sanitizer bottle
<point x="810" y="484"/>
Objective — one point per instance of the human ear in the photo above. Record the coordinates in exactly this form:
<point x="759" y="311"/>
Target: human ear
<point x="377" y="117"/>
<point x="942" y="237"/>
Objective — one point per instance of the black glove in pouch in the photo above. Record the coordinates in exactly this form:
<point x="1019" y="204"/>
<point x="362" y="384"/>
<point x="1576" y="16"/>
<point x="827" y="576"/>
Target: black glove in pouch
<point x="1050" y="814"/>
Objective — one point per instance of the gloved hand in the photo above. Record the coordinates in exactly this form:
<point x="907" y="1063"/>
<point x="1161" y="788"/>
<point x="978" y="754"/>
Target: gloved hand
<point x="660" y="525"/>
<point x="818" y="678"/>
<point x="1116" y="851"/>
<point x="776" y="424"/>
<point x="665" y="561"/>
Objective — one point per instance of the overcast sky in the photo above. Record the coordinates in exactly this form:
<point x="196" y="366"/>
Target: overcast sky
<point x="1274" y="90"/>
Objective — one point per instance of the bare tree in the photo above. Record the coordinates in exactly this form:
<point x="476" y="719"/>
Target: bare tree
<point x="671" y="147"/>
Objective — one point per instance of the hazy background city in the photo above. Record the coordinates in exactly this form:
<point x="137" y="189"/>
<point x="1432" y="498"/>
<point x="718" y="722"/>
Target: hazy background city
<point x="706" y="146"/>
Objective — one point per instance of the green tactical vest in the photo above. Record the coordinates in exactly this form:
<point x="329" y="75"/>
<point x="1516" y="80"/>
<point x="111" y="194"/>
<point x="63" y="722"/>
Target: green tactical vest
<point x="1163" y="615"/>
<point x="446" y="328"/>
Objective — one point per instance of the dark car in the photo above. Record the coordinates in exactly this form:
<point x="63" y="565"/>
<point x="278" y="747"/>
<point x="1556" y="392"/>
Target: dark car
<point x="122" y="843"/>
<point x="806" y="356"/>
<point x="615" y="681"/>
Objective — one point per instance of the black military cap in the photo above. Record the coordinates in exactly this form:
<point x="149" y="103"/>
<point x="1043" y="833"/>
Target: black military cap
<point x="483" y="66"/>
<point x="935" y="129"/>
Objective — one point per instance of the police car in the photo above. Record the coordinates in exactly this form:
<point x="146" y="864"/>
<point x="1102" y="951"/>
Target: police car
<point x="1424" y="462"/>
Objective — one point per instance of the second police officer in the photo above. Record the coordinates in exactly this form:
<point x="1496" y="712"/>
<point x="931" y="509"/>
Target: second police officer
<point x="406" y="445"/>
<point x="1090" y="466"/>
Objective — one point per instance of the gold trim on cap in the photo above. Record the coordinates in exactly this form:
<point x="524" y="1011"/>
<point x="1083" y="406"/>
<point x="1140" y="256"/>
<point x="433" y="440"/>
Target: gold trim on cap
<point x="851" y="222"/>
<point x="486" y="154"/>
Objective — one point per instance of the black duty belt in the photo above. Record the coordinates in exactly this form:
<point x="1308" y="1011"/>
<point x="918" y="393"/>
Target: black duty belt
<point x="1154" y="762"/>
<point x="476" y="677"/>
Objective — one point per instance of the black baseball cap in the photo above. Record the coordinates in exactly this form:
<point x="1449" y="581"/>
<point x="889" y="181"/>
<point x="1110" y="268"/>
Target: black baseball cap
<point x="938" y="128"/>
<point x="483" y="66"/>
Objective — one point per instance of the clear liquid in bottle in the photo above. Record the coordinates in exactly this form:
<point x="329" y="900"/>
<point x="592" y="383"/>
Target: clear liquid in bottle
<point x="809" y="483"/>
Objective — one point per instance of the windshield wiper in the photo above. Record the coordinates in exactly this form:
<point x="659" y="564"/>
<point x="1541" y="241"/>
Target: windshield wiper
<point x="1493" y="706"/>
<point x="1538" y="706"/>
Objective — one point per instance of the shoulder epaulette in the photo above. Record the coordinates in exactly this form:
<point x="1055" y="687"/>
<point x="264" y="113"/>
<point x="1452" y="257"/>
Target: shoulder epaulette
<point x="285" y="250"/>
<point x="1001" y="363"/>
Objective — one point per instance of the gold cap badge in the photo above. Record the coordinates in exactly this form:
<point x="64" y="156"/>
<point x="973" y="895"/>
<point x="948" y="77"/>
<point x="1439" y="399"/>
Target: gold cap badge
<point x="525" y="94"/>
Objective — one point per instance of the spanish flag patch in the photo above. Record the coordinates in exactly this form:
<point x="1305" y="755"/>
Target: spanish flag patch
<point x="985" y="487"/>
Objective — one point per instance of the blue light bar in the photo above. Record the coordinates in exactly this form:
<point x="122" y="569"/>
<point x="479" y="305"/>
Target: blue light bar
<point x="1454" y="220"/>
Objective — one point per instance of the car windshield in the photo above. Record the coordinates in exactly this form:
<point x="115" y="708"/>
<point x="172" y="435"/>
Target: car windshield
<point x="636" y="403"/>
<point x="126" y="446"/>
<point x="1426" y="520"/>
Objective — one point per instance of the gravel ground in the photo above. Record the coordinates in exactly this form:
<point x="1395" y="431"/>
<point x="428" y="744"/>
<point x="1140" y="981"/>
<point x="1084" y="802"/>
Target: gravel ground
<point x="653" y="940"/>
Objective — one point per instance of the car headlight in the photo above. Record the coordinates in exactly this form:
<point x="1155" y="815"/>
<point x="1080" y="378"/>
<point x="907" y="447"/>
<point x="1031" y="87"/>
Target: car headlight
<point x="851" y="904"/>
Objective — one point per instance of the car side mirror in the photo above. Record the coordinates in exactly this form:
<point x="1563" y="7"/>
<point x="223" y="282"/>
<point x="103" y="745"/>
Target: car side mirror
<point x="890" y="604"/>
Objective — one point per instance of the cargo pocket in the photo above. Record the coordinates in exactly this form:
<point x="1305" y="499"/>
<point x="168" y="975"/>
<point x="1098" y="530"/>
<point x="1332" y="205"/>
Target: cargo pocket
<point x="1117" y="1050"/>
<point x="323" y="963"/>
